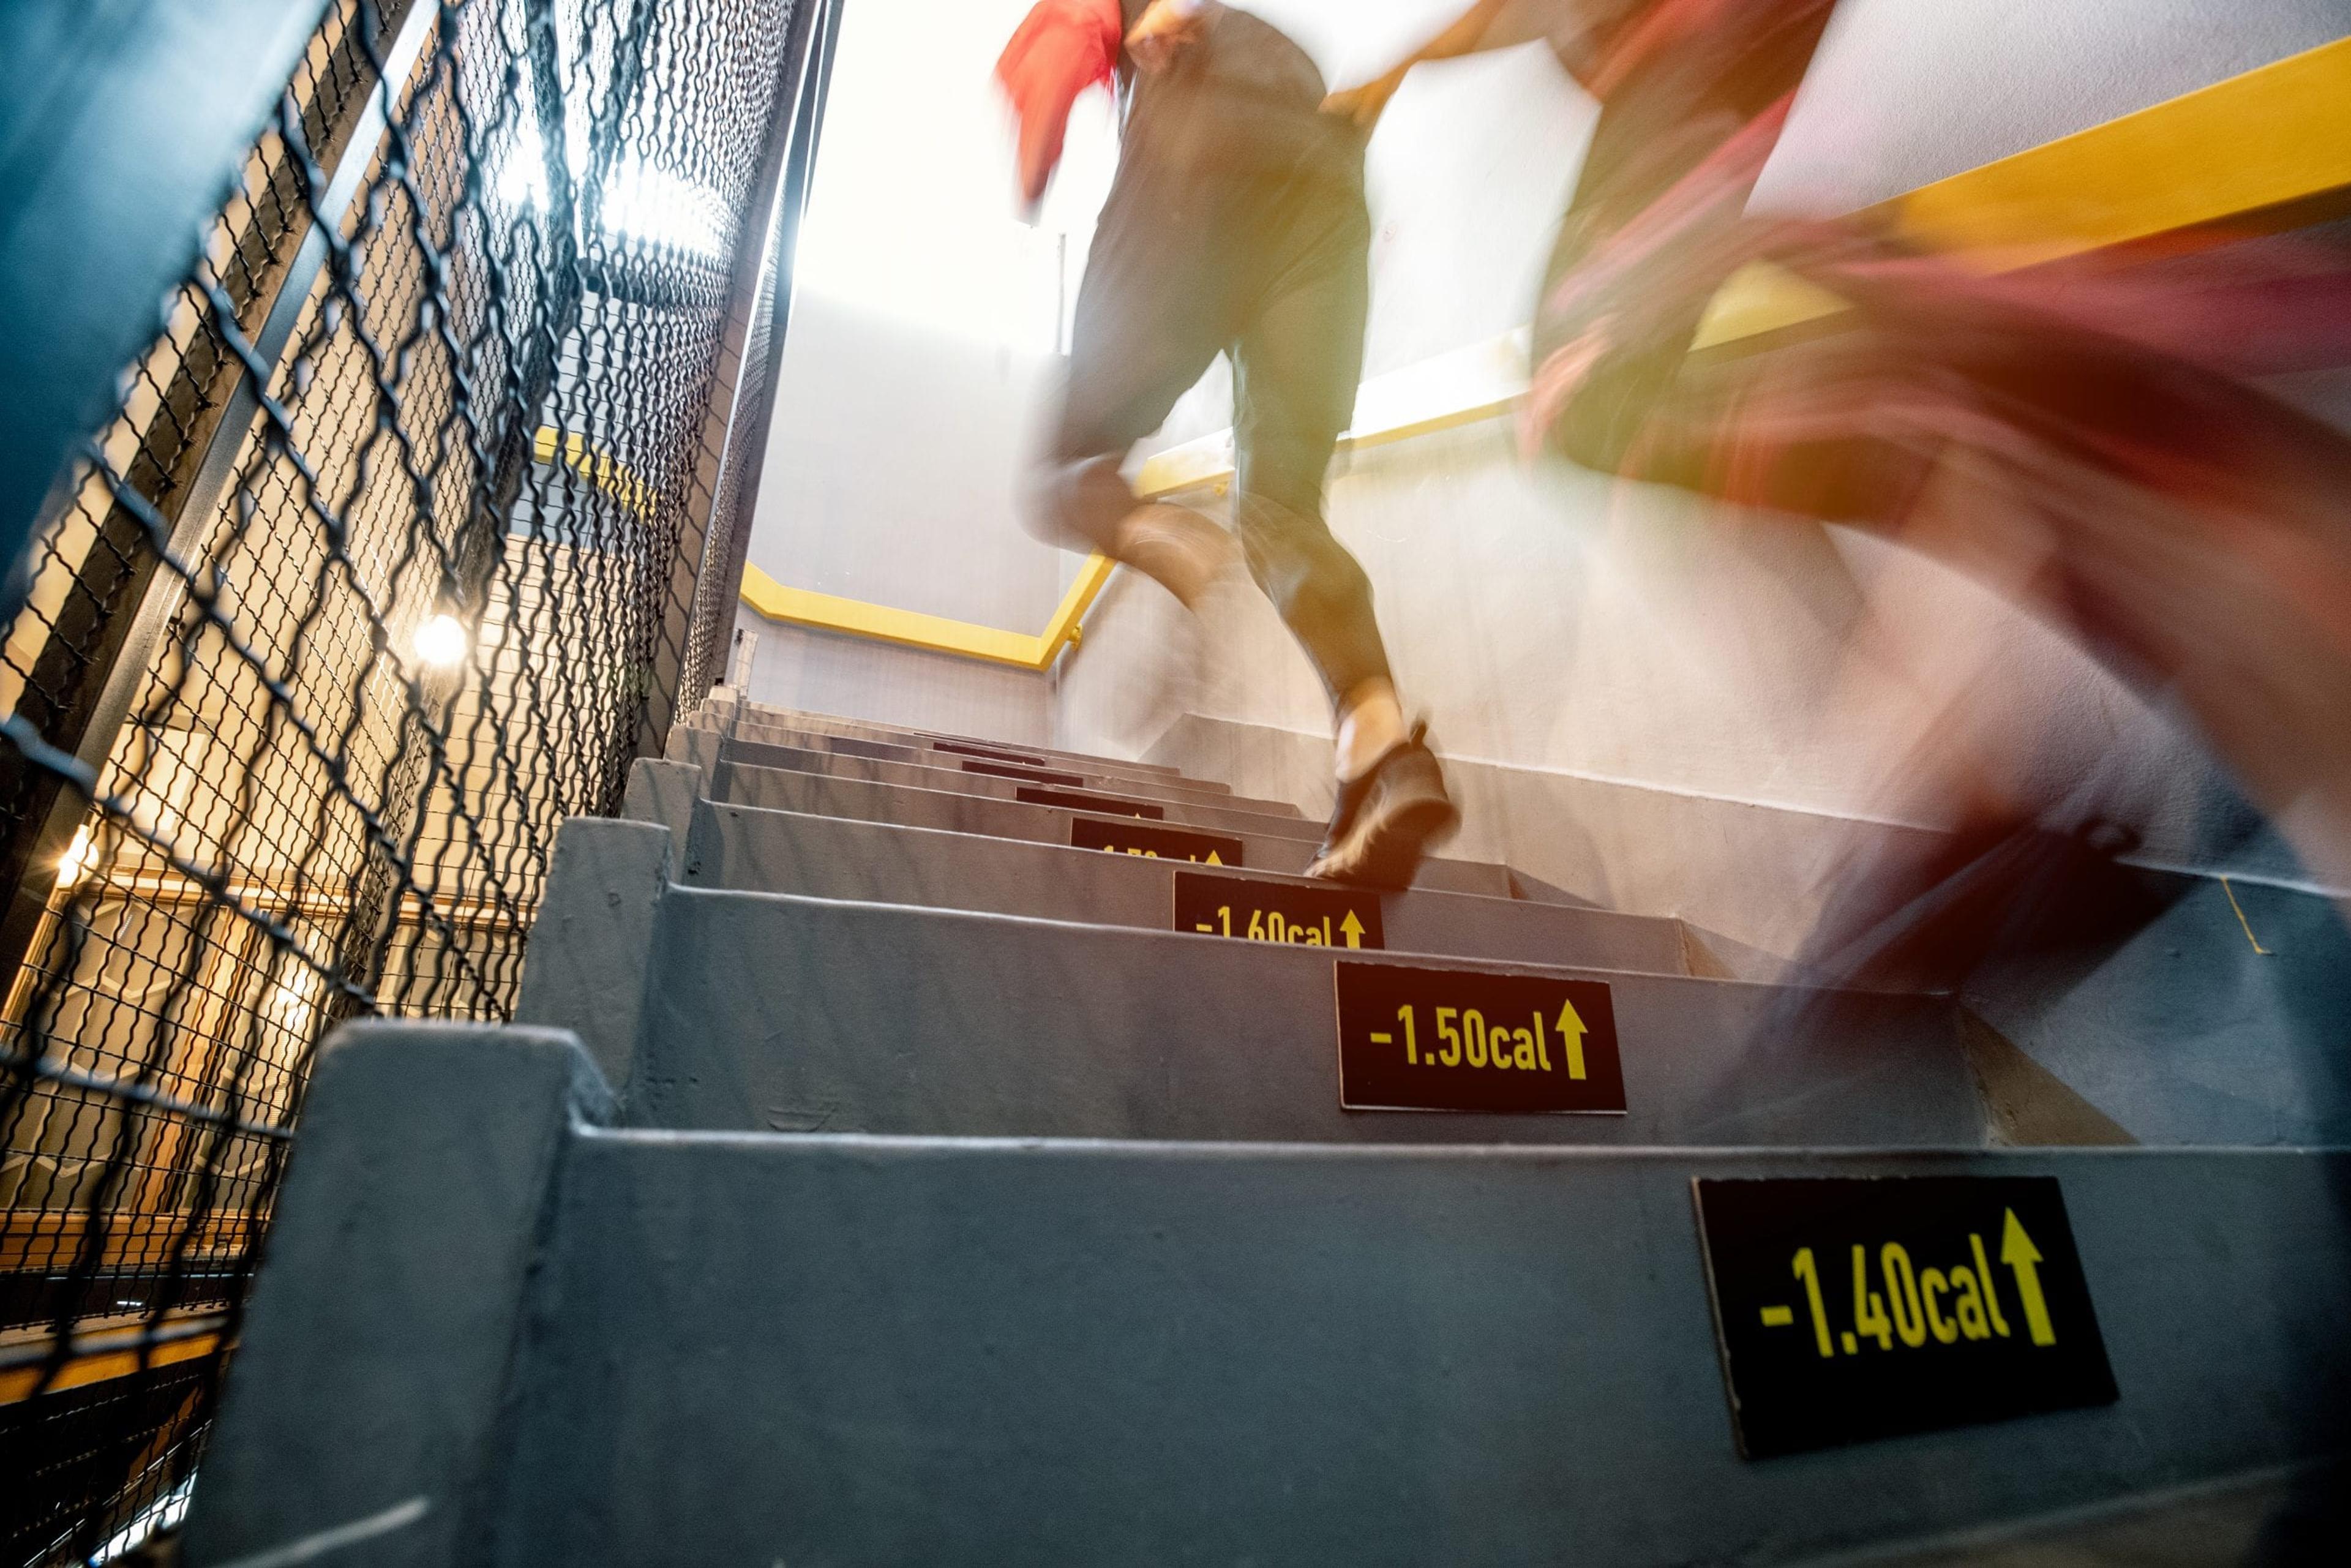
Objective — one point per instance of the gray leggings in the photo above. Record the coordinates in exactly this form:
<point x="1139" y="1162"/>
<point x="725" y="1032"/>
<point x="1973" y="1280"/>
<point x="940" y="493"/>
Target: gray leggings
<point x="1279" y="280"/>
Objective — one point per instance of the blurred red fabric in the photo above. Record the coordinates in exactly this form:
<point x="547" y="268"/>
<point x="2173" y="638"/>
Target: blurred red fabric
<point x="1060" y="49"/>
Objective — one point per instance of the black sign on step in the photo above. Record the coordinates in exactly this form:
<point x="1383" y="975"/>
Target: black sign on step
<point x="1413" y="1039"/>
<point x="1154" y="842"/>
<point x="1111" y="804"/>
<point x="1849" y="1309"/>
<point x="1025" y="775"/>
<point x="1258" y="911"/>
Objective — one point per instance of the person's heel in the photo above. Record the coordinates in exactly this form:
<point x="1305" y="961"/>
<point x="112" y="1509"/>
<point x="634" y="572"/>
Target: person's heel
<point x="1388" y="820"/>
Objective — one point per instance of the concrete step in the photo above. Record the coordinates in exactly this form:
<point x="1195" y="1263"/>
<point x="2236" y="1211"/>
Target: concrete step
<point x="1265" y="844"/>
<point x="767" y="1011"/>
<point x="1109" y="775"/>
<point x="936" y="770"/>
<point x="723" y="715"/>
<point x="742" y="848"/>
<point x="2278" y="1515"/>
<point x="1103" y="801"/>
<point x="488" y="1330"/>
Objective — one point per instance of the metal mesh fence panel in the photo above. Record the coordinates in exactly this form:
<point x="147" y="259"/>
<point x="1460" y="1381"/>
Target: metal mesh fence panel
<point x="392" y="558"/>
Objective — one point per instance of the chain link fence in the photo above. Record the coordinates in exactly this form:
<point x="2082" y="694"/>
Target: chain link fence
<point x="419" y="521"/>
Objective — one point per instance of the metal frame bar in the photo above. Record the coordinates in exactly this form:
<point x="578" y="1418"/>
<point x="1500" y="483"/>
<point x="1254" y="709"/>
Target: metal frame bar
<point x="157" y="597"/>
<point x="720" y="421"/>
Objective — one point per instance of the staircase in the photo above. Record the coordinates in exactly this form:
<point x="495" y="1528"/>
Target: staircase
<point x="895" y="1160"/>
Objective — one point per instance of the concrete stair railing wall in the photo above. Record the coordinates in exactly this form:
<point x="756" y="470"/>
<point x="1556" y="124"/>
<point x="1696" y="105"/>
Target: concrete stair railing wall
<point x="491" y="1328"/>
<point x="875" y="1177"/>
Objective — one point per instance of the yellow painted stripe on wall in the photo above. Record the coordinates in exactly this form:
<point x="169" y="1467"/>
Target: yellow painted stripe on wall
<point x="908" y="628"/>
<point x="2274" y="135"/>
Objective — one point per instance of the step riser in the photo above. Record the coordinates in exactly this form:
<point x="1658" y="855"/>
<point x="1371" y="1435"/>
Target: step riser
<point x="1089" y="775"/>
<point x="724" y="717"/>
<point x="771" y="789"/>
<point x="765" y="1013"/>
<point x="1201" y="819"/>
<point x="1141" y="1357"/>
<point x="642" y="1347"/>
<point x="836" y="724"/>
<point x="915" y="776"/>
<point x="738" y="848"/>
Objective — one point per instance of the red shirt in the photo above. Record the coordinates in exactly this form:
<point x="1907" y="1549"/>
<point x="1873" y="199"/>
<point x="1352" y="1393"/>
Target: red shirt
<point x="1064" y="47"/>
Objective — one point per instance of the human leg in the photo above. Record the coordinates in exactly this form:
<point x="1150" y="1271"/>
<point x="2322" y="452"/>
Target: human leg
<point x="1296" y="368"/>
<point x="1153" y="314"/>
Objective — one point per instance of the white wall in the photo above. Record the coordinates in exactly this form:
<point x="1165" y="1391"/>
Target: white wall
<point x="922" y="352"/>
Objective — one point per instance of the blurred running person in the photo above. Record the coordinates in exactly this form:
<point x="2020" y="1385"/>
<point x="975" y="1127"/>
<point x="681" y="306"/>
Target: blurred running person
<point x="2088" y="435"/>
<point x="1236" y="225"/>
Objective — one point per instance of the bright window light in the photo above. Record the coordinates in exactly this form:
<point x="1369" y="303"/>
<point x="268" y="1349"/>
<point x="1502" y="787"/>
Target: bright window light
<point x="74" y="864"/>
<point x="912" y="218"/>
<point x="442" y="642"/>
<point x="162" y="1514"/>
<point x="641" y="203"/>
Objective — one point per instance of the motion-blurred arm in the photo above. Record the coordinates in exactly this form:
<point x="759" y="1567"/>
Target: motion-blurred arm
<point x="1060" y="49"/>
<point x="1486" y="24"/>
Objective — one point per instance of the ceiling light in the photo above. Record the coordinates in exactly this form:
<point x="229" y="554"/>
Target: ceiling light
<point x="442" y="642"/>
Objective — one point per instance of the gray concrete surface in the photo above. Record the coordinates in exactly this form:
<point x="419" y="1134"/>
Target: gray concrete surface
<point x="1154" y="786"/>
<point x="2278" y="1517"/>
<point x="946" y="772"/>
<point x="742" y="848"/>
<point x="923" y="753"/>
<point x="808" y="1014"/>
<point x="718" y="713"/>
<point x="2185" y="1008"/>
<point x="734" y="759"/>
<point x="951" y="1353"/>
<point x="585" y="968"/>
<point x="845" y="1351"/>
<point x="372" y="1377"/>
<point x="774" y="789"/>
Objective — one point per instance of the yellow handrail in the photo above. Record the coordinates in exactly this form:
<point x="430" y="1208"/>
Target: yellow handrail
<point x="934" y="634"/>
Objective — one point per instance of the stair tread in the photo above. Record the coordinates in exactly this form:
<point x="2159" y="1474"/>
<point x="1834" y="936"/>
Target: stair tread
<point x="928" y="757"/>
<point x="924" y="1020"/>
<point x="735" y="1347"/>
<point x="755" y="850"/>
<point x="1285" y="851"/>
<point x="720" y="714"/>
<point x="927" y="776"/>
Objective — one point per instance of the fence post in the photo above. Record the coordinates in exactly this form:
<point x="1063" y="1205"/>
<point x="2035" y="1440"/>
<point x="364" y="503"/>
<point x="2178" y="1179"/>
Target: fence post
<point x="730" y="419"/>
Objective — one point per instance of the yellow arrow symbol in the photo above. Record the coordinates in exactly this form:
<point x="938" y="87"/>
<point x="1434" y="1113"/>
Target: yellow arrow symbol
<point x="1354" y="929"/>
<point x="2016" y="1250"/>
<point x="1571" y="1030"/>
<point x="1213" y="860"/>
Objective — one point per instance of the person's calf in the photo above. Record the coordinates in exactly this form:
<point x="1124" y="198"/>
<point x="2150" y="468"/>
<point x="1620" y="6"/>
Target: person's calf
<point x="1371" y="725"/>
<point x="1087" y="505"/>
<point x="1178" y="549"/>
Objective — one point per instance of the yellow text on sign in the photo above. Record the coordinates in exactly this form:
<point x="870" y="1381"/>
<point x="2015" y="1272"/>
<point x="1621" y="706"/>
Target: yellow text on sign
<point x="1154" y="854"/>
<point x="1469" y="1041"/>
<point x="1941" y="1305"/>
<point x="1273" y="925"/>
